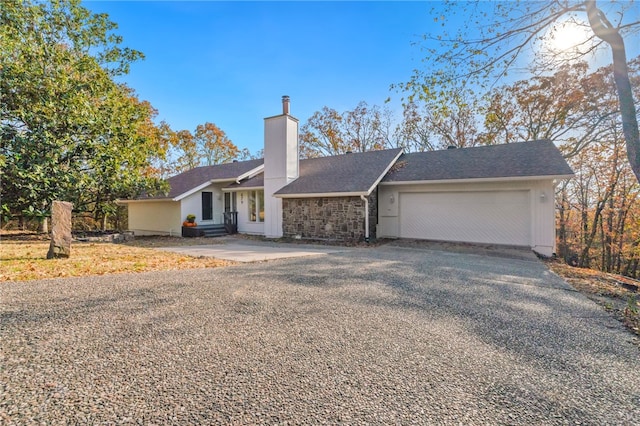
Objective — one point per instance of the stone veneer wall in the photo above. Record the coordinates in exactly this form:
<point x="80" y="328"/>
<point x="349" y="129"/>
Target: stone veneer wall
<point x="328" y="218"/>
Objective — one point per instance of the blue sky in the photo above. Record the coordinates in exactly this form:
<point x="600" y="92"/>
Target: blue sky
<point x="230" y="62"/>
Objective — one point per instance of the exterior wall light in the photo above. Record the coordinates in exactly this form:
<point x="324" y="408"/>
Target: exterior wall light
<point x="392" y="199"/>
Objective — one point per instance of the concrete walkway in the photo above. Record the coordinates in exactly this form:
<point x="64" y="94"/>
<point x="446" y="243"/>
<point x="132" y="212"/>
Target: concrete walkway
<point x="254" y="251"/>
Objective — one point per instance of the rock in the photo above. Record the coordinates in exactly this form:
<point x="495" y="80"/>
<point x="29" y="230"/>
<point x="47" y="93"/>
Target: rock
<point x="60" y="246"/>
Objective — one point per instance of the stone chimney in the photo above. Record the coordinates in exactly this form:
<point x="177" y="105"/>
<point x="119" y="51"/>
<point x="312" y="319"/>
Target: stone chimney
<point x="281" y="164"/>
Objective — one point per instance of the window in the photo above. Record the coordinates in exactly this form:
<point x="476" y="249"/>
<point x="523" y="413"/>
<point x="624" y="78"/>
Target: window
<point x="207" y="206"/>
<point x="256" y="206"/>
<point x="227" y="202"/>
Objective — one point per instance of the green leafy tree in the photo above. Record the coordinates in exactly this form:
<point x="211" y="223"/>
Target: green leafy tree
<point x="68" y="131"/>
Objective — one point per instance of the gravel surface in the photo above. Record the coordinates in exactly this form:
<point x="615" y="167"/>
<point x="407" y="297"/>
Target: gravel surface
<point x="385" y="335"/>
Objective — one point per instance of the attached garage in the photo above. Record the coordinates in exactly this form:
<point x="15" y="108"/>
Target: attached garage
<point x="500" y="194"/>
<point x="496" y="217"/>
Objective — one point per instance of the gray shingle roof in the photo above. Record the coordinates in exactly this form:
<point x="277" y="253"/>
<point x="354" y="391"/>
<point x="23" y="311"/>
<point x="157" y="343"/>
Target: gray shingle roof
<point x="347" y="173"/>
<point x="523" y="159"/>
<point x="358" y="172"/>
<point x="193" y="178"/>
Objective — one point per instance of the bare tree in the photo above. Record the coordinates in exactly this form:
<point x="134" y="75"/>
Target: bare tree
<point x="496" y="35"/>
<point x="328" y="132"/>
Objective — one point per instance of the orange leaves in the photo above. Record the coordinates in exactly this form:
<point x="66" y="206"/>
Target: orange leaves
<point x="328" y="132"/>
<point x="213" y="144"/>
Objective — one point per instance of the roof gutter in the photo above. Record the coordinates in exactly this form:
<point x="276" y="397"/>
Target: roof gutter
<point x="477" y="180"/>
<point x="322" y="195"/>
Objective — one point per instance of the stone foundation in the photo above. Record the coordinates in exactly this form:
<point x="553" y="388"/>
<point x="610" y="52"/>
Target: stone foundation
<point x="328" y="218"/>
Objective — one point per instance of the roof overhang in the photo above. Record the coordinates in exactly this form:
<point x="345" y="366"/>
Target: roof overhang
<point x="391" y="164"/>
<point x="147" y="200"/>
<point x="244" y="188"/>
<point x="478" y="180"/>
<point x="322" y="195"/>
<point x="251" y="173"/>
<point x="201" y="187"/>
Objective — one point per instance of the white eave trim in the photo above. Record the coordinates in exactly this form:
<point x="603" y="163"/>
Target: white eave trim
<point x="244" y="188"/>
<point x="251" y="173"/>
<point x="201" y="187"/>
<point x="478" y="180"/>
<point x="146" y="200"/>
<point x="391" y="164"/>
<point x="322" y="195"/>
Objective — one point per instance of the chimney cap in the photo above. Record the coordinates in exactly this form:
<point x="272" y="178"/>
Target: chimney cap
<point x="452" y="147"/>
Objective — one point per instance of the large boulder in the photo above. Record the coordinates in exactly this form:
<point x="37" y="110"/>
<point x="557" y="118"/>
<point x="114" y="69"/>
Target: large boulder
<point x="60" y="246"/>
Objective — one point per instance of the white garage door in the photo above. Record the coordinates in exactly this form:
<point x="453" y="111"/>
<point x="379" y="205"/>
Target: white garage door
<point x="496" y="217"/>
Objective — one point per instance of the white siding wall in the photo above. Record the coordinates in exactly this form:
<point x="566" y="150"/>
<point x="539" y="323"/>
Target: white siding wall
<point x="193" y="205"/>
<point x="542" y="214"/>
<point x="244" y="225"/>
<point x="281" y="166"/>
<point x="155" y="218"/>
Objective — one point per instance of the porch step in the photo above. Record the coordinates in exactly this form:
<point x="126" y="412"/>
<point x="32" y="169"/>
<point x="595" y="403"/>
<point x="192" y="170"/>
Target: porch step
<point x="213" y="230"/>
<point x="204" y="231"/>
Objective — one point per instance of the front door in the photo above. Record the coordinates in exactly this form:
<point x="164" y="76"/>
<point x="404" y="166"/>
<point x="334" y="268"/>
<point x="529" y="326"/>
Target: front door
<point x="207" y="205"/>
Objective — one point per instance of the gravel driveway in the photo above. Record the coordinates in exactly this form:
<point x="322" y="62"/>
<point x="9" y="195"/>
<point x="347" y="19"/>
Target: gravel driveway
<point x="383" y="335"/>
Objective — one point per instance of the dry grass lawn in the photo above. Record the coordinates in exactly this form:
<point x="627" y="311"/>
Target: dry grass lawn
<point x="23" y="258"/>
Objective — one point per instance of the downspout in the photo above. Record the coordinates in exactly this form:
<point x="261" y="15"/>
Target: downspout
<point x="366" y="217"/>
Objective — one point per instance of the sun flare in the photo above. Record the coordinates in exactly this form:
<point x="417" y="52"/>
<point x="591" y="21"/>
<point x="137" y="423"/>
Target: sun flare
<point x="567" y="36"/>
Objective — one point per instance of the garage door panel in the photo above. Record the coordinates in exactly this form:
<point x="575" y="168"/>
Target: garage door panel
<point x="496" y="217"/>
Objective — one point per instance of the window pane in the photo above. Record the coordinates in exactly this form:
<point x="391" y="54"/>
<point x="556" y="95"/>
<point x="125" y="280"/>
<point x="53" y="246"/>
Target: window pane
<point x="227" y="201"/>
<point x="261" y="205"/>
<point x="252" y="206"/>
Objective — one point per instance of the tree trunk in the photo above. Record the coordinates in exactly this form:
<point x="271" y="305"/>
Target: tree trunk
<point x="608" y="238"/>
<point x="44" y="225"/>
<point x="604" y="30"/>
<point x="562" y="226"/>
<point x="585" y="261"/>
